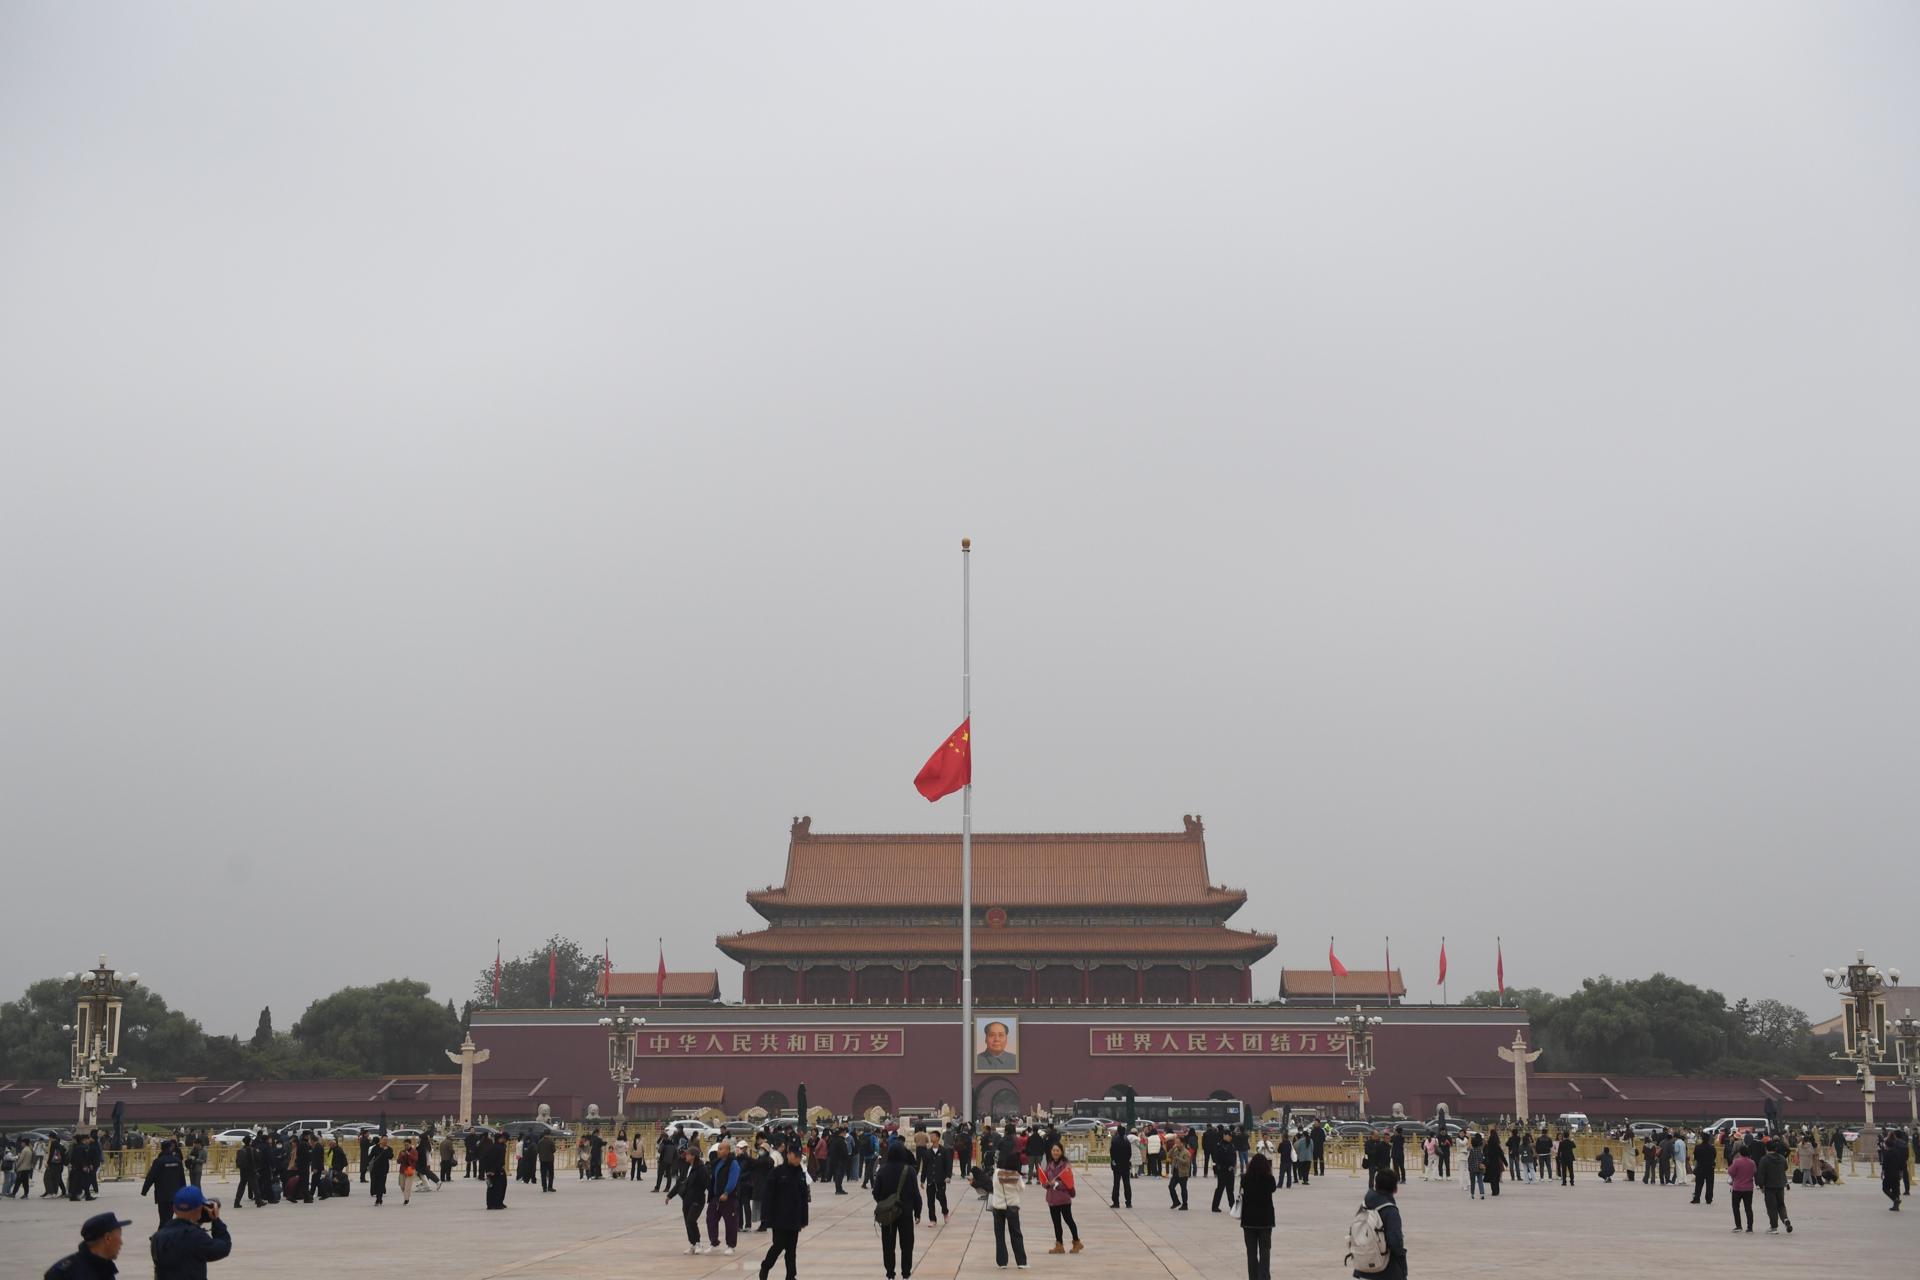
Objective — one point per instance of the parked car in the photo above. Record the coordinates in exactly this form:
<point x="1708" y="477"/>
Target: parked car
<point x="517" y="1129"/>
<point x="351" y="1132"/>
<point x="740" y="1128"/>
<point x="694" y="1129"/>
<point x="402" y="1134"/>
<point x="1081" y="1124"/>
<point x="1737" y="1124"/>
<point x="318" y="1128"/>
<point x="232" y="1137"/>
<point x="1351" y="1129"/>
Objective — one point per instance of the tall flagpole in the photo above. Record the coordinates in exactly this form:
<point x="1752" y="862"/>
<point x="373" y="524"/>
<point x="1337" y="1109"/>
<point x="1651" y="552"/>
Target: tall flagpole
<point x="966" y="834"/>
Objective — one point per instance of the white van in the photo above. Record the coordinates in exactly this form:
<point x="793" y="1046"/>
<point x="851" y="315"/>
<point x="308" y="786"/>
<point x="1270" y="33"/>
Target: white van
<point x="1737" y="1125"/>
<point x="1574" y="1121"/>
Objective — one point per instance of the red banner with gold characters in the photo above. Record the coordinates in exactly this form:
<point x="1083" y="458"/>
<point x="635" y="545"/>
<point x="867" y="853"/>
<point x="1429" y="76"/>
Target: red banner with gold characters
<point x="865" y="1042"/>
<point x="1213" y="1042"/>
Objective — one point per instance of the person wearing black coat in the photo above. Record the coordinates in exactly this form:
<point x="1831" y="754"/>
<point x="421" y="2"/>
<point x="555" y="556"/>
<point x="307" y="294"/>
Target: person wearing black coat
<point x="1564" y="1155"/>
<point x="896" y="1174"/>
<point x="366" y="1150"/>
<point x="1223" y="1171"/>
<point x="1496" y="1161"/>
<point x="493" y="1167"/>
<point x="787" y="1196"/>
<point x="1120" y="1158"/>
<point x="380" y="1161"/>
<point x="1893" y="1170"/>
<point x="1704" y="1159"/>
<point x="243" y="1171"/>
<point x="691" y="1190"/>
<point x="166" y="1175"/>
<point x="934" y="1170"/>
<point x="1256" y="1216"/>
<point x="1319" y="1136"/>
<point x="471" y="1141"/>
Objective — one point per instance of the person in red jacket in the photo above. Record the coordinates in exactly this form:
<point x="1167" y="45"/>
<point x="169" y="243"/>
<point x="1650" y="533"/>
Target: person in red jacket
<point x="1056" y="1175"/>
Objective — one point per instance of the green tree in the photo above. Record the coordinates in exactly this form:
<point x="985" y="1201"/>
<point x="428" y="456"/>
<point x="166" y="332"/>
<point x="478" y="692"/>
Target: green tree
<point x="263" y="1034"/>
<point x="154" y="1039"/>
<point x="1649" y="1026"/>
<point x="394" y="1028"/>
<point x="523" y="980"/>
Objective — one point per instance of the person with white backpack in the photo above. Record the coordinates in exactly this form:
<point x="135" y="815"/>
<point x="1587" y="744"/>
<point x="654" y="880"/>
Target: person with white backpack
<point x="1375" y="1245"/>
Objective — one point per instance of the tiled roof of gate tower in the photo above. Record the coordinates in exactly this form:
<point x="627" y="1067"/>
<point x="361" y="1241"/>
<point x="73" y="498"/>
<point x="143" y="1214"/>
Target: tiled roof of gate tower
<point x="1161" y="869"/>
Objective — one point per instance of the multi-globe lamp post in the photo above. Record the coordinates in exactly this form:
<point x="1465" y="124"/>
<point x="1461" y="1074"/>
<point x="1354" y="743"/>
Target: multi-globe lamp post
<point x="1906" y="1055"/>
<point x="623" y="1045"/>
<point x="1863" y="1006"/>
<point x="96" y="1036"/>
<point x="1359" y="1028"/>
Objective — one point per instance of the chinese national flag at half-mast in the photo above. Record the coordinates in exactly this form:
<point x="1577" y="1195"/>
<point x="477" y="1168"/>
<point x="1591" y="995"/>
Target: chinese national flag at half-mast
<point x="950" y="767"/>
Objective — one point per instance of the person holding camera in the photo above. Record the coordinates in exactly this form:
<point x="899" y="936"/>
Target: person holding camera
<point x="181" y="1250"/>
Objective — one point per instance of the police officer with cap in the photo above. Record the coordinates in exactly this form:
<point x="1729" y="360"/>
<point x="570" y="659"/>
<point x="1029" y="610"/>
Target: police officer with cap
<point x="181" y="1250"/>
<point x="99" y="1246"/>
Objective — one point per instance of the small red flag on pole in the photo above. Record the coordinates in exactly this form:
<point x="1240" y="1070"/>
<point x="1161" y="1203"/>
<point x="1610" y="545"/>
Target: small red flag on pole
<point x="950" y="767"/>
<point x="1443" y="963"/>
<point x="496" y="973"/>
<point x="1499" y="965"/>
<point x="606" y="970"/>
<point x="553" y="975"/>
<point x="1333" y="961"/>
<point x="660" y="975"/>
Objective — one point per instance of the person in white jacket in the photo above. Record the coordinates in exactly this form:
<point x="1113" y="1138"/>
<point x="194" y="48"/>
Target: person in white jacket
<point x="1004" y="1200"/>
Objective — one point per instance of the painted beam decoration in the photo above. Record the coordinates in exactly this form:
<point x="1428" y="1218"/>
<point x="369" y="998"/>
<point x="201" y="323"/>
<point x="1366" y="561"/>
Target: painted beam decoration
<point x="861" y="1042"/>
<point x="1202" y="1042"/>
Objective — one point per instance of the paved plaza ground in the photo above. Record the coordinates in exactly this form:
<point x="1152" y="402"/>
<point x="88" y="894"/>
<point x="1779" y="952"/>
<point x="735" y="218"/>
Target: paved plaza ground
<point x="610" y="1229"/>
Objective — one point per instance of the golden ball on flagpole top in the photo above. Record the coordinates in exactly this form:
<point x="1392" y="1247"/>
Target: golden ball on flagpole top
<point x="966" y="544"/>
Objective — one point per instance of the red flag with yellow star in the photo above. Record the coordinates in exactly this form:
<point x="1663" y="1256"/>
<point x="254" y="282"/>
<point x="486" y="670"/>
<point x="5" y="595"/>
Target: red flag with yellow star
<point x="950" y="767"/>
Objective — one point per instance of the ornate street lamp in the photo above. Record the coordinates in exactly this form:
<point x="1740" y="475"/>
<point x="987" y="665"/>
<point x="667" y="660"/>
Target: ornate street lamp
<point x="623" y="1044"/>
<point x="95" y="1030"/>
<point x="1906" y="1054"/>
<point x="1359" y="1028"/>
<point x="1863" y="1004"/>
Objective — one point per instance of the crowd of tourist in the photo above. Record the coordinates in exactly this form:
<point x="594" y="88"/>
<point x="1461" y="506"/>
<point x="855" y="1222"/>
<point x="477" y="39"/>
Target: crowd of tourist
<point x="762" y="1182"/>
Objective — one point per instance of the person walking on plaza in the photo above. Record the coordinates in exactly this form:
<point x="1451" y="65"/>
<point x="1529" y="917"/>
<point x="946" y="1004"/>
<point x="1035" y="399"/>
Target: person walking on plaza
<point x="666" y="1156"/>
<point x="547" y="1150"/>
<point x="1397" y="1153"/>
<point x="493" y="1167"/>
<point x="1443" y="1153"/>
<point x="1704" y="1160"/>
<point x="1156" y="1152"/>
<point x="1740" y="1175"/>
<point x="166" y="1175"/>
<point x="934" y="1171"/>
<point x="51" y="1184"/>
<point x="690" y="1188"/>
<point x="1893" y="1167"/>
<point x="1179" y="1169"/>
<point x="897" y="1205"/>
<point x="1303" y="1159"/>
<point x="1003" y="1200"/>
<point x="787" y="1195"/>
<point x="1381" y="1200"/>
<point x="1256" y="1217"/>
<point x="1476" y="1168"/>
<point x="1319" y="1136"/>
<point x="1223" y="1170"/>
<point x="1056" y="1175"/>
<point x="409" y="1169"/>
<point x="366" y="1152"/>
<point x="28" y="1159"/>
<point x="378" y="1163"/>
<point x="446" y="1158"/>
<point x="1772" y="1177"/>
<point x="1564" y="1157"/>
<point x="1119" y="1160"/>
<point x="726" y="1181"/>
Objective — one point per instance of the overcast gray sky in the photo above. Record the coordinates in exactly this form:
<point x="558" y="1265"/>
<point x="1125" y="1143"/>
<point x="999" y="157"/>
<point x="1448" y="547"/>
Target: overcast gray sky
<point x="491" y="466"/>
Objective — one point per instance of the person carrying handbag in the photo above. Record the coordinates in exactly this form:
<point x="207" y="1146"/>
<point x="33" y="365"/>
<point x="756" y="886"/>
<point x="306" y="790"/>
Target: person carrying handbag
<point x="1056" y="1175"/>
<point x="1003" y="1198"/>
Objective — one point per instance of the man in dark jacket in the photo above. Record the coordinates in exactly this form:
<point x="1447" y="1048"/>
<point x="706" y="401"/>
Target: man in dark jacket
<point x="471" y="1142"/>
<point x="243" y="1171"/>
<point x="99" y="1246"/>
<point x="1120" y="1159"/>
<point x="493" y="1167"/>
<point x="181" y="1250"/>
<point x="366" y="1150"/>
<point x="934" y="1171"/>
<point x="691" y="1190"/>
<point x="787" y="1196"/>
<point x="1319" y="1136"/>
<point x="1893" y="1167"/>
<point x="1381" y="1201"/>
<point x="1705" y="1158"/>
<point x="165" y="1176"/>
<point x="895" y="1190"/>
<point x="546" y="1151"/>
<point x="1772" y="1177"/>
<point x="1223" y="1170"/>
